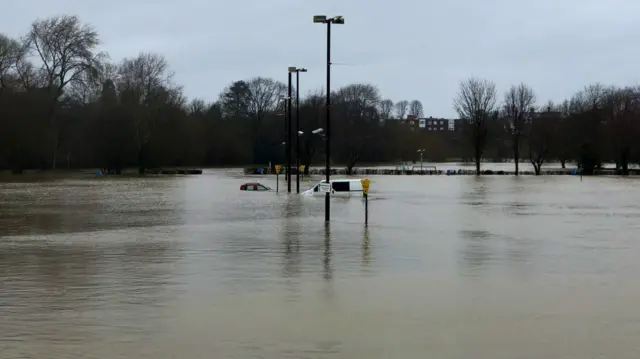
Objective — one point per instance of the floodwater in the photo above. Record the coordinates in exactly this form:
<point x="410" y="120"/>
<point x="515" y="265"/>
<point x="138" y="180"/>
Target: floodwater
<point x="449" y="267"/>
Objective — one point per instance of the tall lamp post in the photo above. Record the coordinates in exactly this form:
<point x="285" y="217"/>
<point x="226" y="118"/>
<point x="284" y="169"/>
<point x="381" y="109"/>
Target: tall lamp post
<point x="297" y="71"/>
<point x="339" y="20"/>
<point x="289" y="137"/>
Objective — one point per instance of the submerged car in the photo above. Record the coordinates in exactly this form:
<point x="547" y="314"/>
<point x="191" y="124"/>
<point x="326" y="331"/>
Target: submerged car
<point x="254" y="187"/>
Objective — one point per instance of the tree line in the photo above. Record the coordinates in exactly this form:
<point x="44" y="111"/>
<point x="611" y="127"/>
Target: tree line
<point x="597" y="124"/>
<point x="64" y="104"/>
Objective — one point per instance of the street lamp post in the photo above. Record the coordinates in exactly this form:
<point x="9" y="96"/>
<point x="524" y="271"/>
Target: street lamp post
<point x="339" y="20"/>
<point x="297" y="71"/>
<point x="289" y="137"/>
<point x="421" y="152"/>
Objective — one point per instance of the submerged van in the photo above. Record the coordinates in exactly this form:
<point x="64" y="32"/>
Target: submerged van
<point x="339" y="187"/>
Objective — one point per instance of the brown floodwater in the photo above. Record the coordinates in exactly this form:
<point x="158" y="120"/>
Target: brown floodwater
<point x="190" y="267"/>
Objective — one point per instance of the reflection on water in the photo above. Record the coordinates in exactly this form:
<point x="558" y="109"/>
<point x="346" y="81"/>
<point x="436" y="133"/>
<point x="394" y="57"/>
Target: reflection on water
<point x="328" y="271"/>
<point x="476" y="252"/>
<point x="366" y="247"/>
<point x="291" y="232"/>
<point x="448" y="267"/>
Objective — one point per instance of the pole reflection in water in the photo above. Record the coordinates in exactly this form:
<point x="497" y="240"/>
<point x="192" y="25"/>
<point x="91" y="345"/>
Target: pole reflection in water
<point x="366" y="249"/>
<point x="328" y="270"/>
<point x="290" y="232"/>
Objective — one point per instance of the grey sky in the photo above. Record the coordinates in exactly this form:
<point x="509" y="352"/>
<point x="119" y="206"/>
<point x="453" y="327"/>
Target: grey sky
<point x="410" y="49"/>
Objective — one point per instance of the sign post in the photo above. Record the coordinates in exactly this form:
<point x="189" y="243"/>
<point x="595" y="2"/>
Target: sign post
<point x="325" y="187"/>
<point x="365" y="193"/>
<point x="277" y="168"/>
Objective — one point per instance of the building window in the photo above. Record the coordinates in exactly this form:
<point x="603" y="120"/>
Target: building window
<point x="441" y="128"/>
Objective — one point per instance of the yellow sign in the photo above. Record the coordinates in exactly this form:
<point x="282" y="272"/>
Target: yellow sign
<point x="365" y="185"/>
<point x="302" y="168"/>
<point x="277" y="167"/>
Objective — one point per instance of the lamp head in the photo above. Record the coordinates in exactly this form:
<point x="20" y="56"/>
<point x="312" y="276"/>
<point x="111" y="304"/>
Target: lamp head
<point x="319" y="19"/>
<point x="338" y="20"/>
<point x="292" y="69"/>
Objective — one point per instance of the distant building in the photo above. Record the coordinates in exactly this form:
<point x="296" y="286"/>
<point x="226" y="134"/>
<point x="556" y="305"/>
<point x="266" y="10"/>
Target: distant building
<point x="437" y="124"/>
<point x="430" y="124"/>
<point x="411" y="121"/>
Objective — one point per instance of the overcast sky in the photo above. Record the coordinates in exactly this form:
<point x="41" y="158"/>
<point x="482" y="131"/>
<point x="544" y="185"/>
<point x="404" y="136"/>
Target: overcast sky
<point x="409" y="49"/>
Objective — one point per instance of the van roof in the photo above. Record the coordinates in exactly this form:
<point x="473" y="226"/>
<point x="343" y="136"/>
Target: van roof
<point x="342" y="180"/>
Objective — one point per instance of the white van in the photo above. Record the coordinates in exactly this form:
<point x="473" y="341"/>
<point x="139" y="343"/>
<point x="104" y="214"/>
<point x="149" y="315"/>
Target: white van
<point x="339" y="187"/>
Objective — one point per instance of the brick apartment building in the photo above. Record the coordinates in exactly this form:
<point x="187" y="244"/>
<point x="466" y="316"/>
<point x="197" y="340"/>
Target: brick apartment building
<point x="430" y="124"/>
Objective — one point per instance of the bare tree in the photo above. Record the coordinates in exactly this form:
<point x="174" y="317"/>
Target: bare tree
<point x="66" y="50"/>
<point x="88" y="86"/>
<point x="357" y="114"/>
<point x="385" y="109"/>
<point x="197" y="107"/>
<point x="15" y="69"/>
<point x="621" y="110"/>
<point x="476" y="104"/>
<point x="312" y="113"/>
<point x="402" y="108"/>
<point x="140" y="77"/>
<point x="264" y="95"/>
<point x="145" y="86"/>
<point x="415" y="108"/>
<point x="518" y="106"/>
<point x="10" y="53"/>
<point x="27" y="75"/>
<point x="543" y="128"/>
<point x="594" y="96"/>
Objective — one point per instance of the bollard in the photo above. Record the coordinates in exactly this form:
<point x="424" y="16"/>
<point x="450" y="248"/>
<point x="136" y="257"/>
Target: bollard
<point x="365" y="193"/>
<point x="277" y="168"/>
<point x="366" y="209"/>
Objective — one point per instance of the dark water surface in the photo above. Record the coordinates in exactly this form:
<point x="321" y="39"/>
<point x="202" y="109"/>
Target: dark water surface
<point x="449" y="267"/>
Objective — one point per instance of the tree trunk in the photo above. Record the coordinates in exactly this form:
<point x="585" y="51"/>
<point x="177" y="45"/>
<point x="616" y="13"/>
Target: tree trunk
<point x="142" y="159"/>
<point x="516" y="156"/>
<point x="537" y="167"/>
<point x="624" y="159"/>
<point x="16" y="160"/>
<point x="350" y="167"/>
<point x="306" y="162"/>
<point x="563" y="162"/>
<point x="478" y="156"/>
